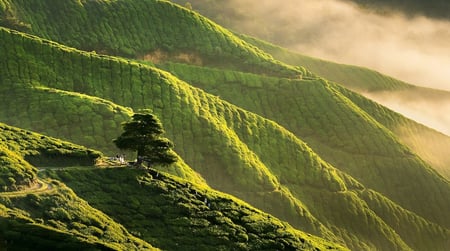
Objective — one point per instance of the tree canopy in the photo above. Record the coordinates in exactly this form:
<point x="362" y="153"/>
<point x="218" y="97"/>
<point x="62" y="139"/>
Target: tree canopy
<point x="144" y="134"/>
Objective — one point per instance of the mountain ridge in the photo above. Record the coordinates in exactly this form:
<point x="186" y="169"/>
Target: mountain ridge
<point x="371" y="83"/>
<point x="58" y="214"/>
<point x="240" y="157"/>
<point x="202" y="111"/>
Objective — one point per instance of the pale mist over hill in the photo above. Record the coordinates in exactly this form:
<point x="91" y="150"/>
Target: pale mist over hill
<point x="410" y="48"/>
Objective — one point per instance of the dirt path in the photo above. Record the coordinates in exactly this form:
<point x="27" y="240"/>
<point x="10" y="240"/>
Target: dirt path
<point x="39" y="187"/>
<point x="42" y="186"/>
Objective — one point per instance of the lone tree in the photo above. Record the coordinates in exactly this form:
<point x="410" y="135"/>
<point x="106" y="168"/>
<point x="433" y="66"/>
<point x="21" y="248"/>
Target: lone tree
<point x="144" y="135"/>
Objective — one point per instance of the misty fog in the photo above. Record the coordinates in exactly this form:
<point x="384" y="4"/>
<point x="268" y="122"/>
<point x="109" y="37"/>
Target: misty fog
<point x="416" y="49"/>
<point x="435" y="114"/>
<point x="413" y="49"/>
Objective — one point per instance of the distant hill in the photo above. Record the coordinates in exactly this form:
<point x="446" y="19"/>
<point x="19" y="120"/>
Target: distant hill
<point x="289" y="25"/>
<point x="291" y="143"/>
<point x="431" y="8"/>
<point x="123" y="28"/>
<point x="264" y="182"/>
<point x="428" y="143"/>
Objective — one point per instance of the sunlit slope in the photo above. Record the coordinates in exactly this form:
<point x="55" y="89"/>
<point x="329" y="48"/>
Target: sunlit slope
<point x="83" y="119"/>
<point x="15" y="173"/>
<point x="196" y="120"/>
<point x="417" y="232"/>
<point x="80" y="118"/>
<point x="429" y="144"/>
<point x="419" y="101"/>
<point x="336" y="128"/>
<point x="146" y="29"/>
<point x="174" y="214"/>
<point x="57" y="220"/>
<point x="93" y="122"/>
<point x="232" y="149"/>
<point x="200" y="136"/>
<point x="135" y="29"/>
<point x="48" y="214"/>
<point x="353" y="77"/>
<point x="19" y="148"/>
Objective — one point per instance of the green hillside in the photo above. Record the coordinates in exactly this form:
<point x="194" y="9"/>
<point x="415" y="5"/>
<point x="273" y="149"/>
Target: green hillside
<point x="38" y="215"/>
<point x="427" y="143"/>
<point x="59" y="215"/>
<point x="53" y="217"/>
<point x="18" y="235"/>
<point x="199" y="128"/>
<point x="57" y="113"/>
<point x="318" y="112"/>
<point x="306" y="150"/>
<point x="183" y="215"/>
<point x="19" y="148"/>
<point x="415" y="101"/>
<point x="224" y="126"/>
<point x="140" y="29"/>
<point x="15" y="172"/>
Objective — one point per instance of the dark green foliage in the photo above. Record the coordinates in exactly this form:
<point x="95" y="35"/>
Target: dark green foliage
<point x="174" y="214"/>
<point x="41" y="150"/>
<point x="427" y="143"/>
<point x="19" y="235"/>
<point x="146" y="29"/>
<point x="265" y="162"/>
<point x="317" y="112"/>
<point x="20" y="148"/>
<point x="240" y="157"/>
<point x="144" y="135"/>
<point x="58" y="215"/>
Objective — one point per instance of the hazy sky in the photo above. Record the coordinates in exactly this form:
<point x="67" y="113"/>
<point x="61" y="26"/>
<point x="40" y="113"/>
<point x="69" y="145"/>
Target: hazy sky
<point x="435" y="114"/>
<point x="413" y="49"/>
<point x="416" y="50"/>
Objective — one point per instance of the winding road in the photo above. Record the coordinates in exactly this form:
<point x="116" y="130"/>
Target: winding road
<point x="38" y="188"/>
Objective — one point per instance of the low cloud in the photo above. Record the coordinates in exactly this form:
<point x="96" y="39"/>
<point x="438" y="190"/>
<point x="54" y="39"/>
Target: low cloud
<point x="413" y="49"/>
<point x="431" y="111"/>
